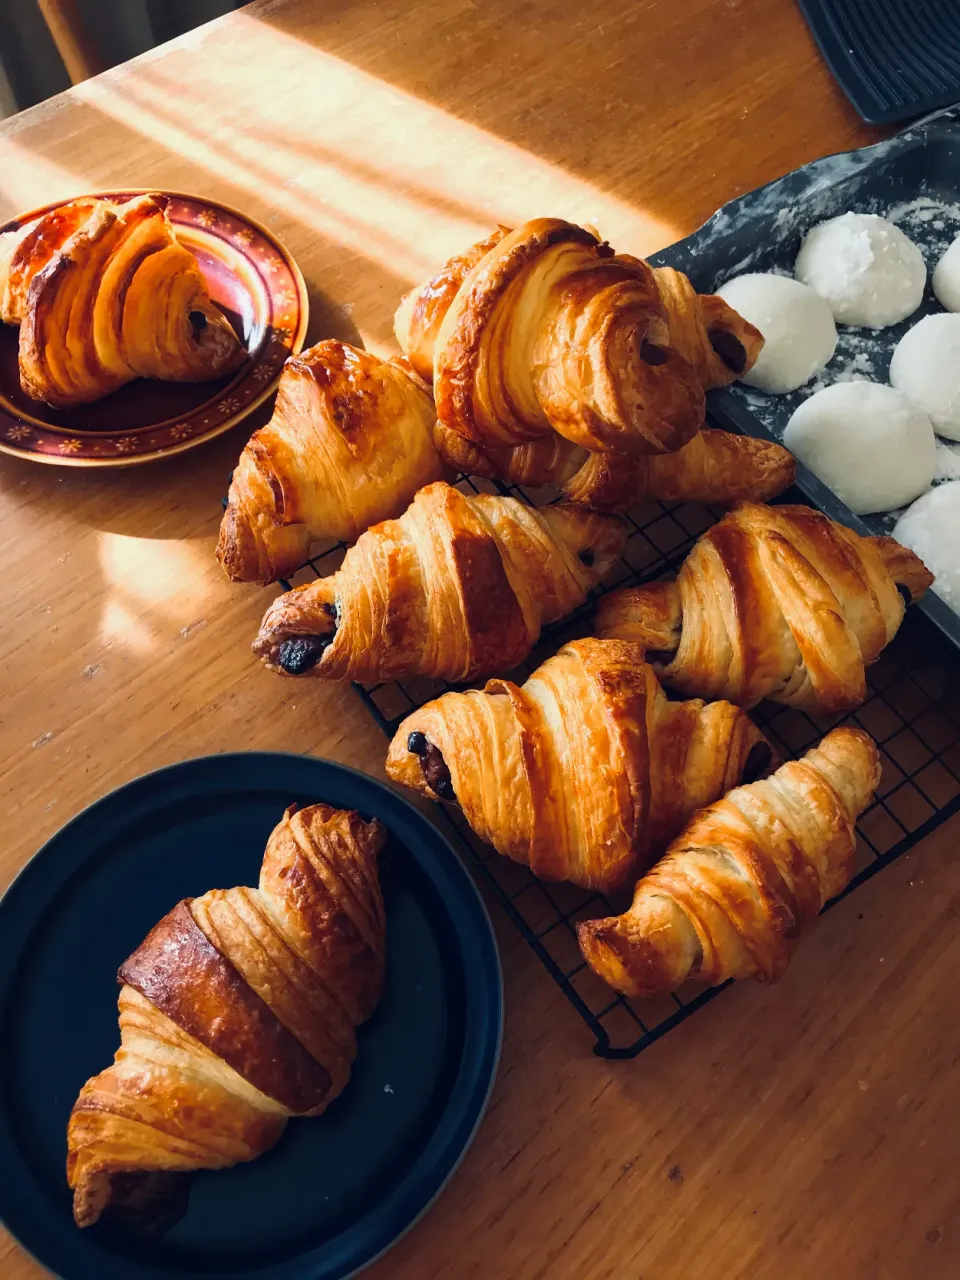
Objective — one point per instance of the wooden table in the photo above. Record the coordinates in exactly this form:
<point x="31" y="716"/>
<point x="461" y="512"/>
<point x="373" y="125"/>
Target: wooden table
<point x="803" y="1131"/>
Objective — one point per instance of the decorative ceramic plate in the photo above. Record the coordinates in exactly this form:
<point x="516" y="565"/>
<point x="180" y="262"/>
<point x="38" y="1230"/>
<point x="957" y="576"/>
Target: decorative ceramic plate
<point x="337" y="1190"/>
<point x="258" y="286"/>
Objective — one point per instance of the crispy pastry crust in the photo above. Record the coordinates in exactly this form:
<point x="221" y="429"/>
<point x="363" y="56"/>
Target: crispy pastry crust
<point x="549" y="330"/>
<point x="456" y="588"/>
<point x="237" y="1011"/>
<point x="717" y="467"/>
<point x="775" y="602"/>
<point x="104" y="294"/>
<point x="349" y="444"/>
<point x="585" y="772"/>
<point x="745" y="879"/>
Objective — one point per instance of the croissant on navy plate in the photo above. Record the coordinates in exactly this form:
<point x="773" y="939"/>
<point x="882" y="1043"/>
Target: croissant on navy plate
<point x="772" y="602"/>
<point x="546" y="329"/>
<point x="587" y="771"/>
<point x="237" y="1011"/>
<point x="103" y="294"/>
<point x="349" y="444"/>
<point x="745" y="879"/>
<point x="456" y="588"/>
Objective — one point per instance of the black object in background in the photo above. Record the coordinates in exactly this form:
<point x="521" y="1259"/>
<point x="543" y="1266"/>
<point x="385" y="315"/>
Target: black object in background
<point x="894" y="59"/>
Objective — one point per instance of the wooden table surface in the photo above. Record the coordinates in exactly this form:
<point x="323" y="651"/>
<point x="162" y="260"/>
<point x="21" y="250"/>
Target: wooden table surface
<point x="808" y="1130"/>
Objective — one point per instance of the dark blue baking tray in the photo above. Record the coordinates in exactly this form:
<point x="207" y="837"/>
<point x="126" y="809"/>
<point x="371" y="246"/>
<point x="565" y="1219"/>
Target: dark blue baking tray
<point x="894" y="59"/>
<point x="913" y="178"/>
<point x="337" y="1190"/>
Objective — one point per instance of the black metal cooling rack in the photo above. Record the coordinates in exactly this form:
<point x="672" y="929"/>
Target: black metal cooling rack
<point x="912" y="712"/>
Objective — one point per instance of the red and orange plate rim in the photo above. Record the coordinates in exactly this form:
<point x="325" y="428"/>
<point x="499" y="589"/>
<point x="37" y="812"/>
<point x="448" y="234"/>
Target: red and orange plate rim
<point x="290" y="343"/>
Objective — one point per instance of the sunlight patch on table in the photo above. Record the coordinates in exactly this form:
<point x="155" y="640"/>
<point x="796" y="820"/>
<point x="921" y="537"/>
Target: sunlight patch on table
<point x="27" y="180"/>
<point x="376" y="170"/>
<point x="152" y="586"/>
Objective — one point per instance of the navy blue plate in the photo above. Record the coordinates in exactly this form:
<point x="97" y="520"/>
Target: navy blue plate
<point x="337" y="1190"/>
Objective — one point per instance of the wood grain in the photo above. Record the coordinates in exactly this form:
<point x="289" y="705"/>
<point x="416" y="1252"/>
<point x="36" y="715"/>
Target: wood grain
<point x="802" y="1131"/>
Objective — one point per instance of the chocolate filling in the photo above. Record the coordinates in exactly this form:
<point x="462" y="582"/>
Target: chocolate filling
<point x="907" y="597"/>
<point x="651" y="354"/>
<point x="300" y="654"/>
<point x="432" y="765"/>
<point x="730" y="349"/>
<point x="199" y="322"/>
<point x="659" y="655"/>
<point x="587" y="557"/>
<point x="758" y="762"/>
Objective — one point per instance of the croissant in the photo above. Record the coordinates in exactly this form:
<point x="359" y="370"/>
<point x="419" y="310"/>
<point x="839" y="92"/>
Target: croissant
<point x="772" y="602"/>
<point x="236" y="1012"/>
<point x="714" y="467"/>
<point x="548" y="329"/>
<point x="745" y="879"/>
<point x="349" y="444"/>
<point x="458" y="587"/>
<point x="104" y="294"/>
<point x="583" y="773"/>
<point x="713" y="338"/>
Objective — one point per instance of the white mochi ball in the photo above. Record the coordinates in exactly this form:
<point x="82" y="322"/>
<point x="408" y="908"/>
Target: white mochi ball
<point x="799" y="336"/>
<point x="946" y="278"/>
<point x="926" y="367"/>
<point x="865" y="267"/>
<point x="931" y="528"/>
<point x="868" y="443"/>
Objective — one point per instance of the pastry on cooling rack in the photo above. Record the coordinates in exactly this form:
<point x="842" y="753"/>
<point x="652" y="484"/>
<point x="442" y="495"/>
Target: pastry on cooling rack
<point x="237" y="1011"/>
<point x="584" y="773"/>
<point x="744" y="879"/>
<point x="772" y="602"/>
<point x="549" y="330"/>
<point x="456" y="588"/>
<point x="546" y="328"/>
<point x="104" y="294"/>
<point x="717" y="467"/>
<point x="349" y="444"/>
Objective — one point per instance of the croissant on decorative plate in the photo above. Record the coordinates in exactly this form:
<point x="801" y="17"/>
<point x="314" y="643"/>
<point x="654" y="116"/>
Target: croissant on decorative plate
<point x="237" y="1011"/>
<point x="103" y="294"/>
<point x="349" y="444"/>
<point x="545" y="327"/>
<point x="745" y="879"/>
<point x="772" y="602"/>
<point x="458" y="587"/>
<point x="547" y="330"/>
<point x="584" y="773"/>
<point x="716" y="467"/>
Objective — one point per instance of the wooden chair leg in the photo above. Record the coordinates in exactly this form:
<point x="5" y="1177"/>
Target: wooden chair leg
<point x="74" y="44"/>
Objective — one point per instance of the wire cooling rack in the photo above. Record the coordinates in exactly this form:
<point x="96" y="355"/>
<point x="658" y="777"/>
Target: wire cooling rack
<point x="912" y="712"/>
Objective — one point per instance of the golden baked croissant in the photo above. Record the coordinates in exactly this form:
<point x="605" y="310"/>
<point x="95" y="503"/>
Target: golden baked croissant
<point x="772" y="602"/>
<point x="713" y="338"/>
<point x="104" y="294"/>
<point x="714" y="467"/>
<point x="237" y="1011"/>
<point x="458" y="587"/>
<point x="549" y="330"/>
<point x="585" y="772"/>
<point x="745" y="878"/>
<point x="349" y="444"/>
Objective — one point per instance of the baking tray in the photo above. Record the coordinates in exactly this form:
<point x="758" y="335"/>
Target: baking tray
<point x="892" y="58"/>
<point x="914" y="179"/>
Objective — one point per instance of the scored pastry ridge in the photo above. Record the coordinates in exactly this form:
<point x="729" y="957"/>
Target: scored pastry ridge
<point x="585" y="772"/>
<point x="457" y="587"/>
<point x="237" y="1011"/>
<point x="777" y="602"/>
<point x="104" y="294"/>
<point x="348" y="445"/>
<point x="745" y="879"/>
